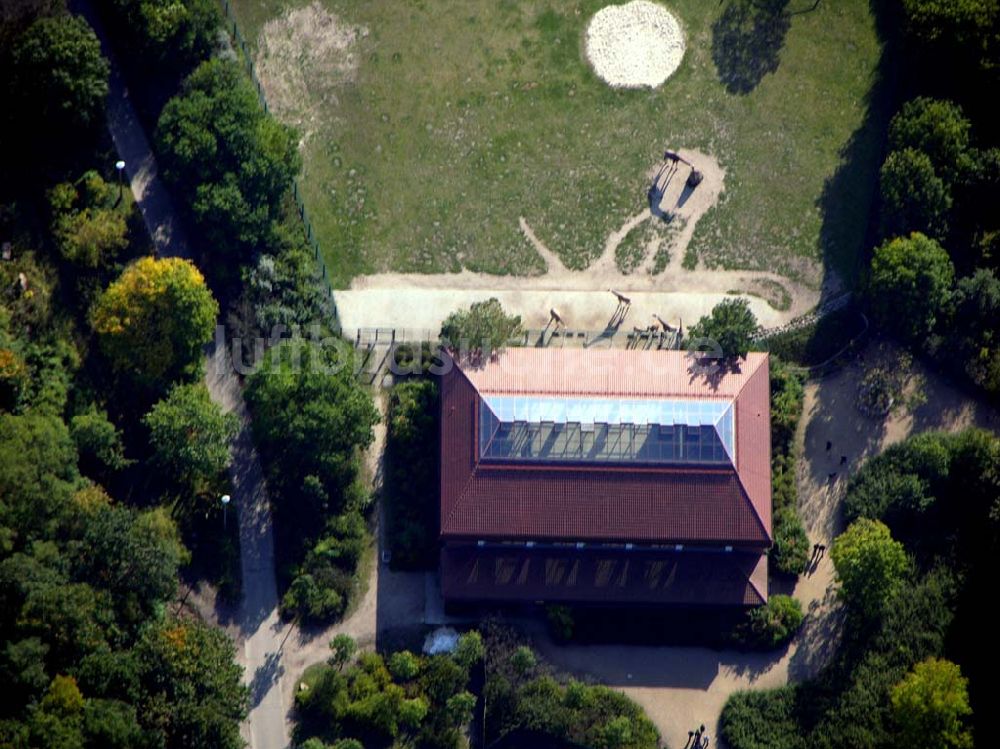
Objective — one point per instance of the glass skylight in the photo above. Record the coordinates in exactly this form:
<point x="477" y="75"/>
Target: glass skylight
<point x="601" y="430"/>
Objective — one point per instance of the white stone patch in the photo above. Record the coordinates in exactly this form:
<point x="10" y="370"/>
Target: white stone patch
<point x="639" y="44"/>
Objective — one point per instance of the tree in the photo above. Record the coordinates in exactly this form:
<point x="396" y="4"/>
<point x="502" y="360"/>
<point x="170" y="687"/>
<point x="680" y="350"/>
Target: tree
<point x="59" y="78"/>
<point x="88" y="231"/>
<point x="99" y="443"/>
<point x="311" y="416"/>
<point x="937" y="128"/>
<point x="38" y="475"/>
<point x="470" y="650"/>
<point x="930" y="707"/>
<point x="731" y="325"/>
<point x="135" y="556"/>
<point x="344" y="648"/>
<point x="910" y="285"/>
<point x="190" y="435"/>
<point x="235" y="160"/>
<point x="192" y="694"/>
<point x="484" y="326"/>
<point x="960" y="26"/>
<point x="153" y="321"/>
<point x="404" y="666"/>
<point x="914" y="197"/>
<point x="870" y="565"/>
<point x="977" y="307"/>
<point x="175" y="35"/>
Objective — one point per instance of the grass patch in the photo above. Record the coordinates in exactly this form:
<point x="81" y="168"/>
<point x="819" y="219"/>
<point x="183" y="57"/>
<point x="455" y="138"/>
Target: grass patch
<point x="461" y="118"/>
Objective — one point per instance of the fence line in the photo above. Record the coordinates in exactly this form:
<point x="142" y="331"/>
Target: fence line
<point x="296" y="191"/>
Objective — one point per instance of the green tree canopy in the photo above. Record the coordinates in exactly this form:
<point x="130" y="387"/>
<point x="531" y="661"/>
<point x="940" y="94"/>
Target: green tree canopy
<point x="977" y="310"/>
<point x="99" y="443"/>
<point x="177" y="34"/>
<point x="310" y="414"/>
<point x="930" y="707"/>
<point x="936" y="127"/>
<point x="914" y="197"/>
<point x="193" y="695"/>
<point x="88" y="230"/>
<point x="153" y="320"/>
<point x="38" y="475"/>
<point x="190" y="435"/>
<point x="59" y="80"/>
<point x="964" y="26"/>
<point x="236" y="161"/>
<point x="910" y="285"/>
<point x="483" y="326"/>
<point x="731" y="325"/>
<point x="870" y="565"/>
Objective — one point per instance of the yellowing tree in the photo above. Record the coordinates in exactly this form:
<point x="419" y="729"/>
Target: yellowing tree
<point x="153" y="320"/>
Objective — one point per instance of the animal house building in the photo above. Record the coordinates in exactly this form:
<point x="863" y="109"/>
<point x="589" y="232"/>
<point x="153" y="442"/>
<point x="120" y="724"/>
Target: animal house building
<point x="605" y="476"/>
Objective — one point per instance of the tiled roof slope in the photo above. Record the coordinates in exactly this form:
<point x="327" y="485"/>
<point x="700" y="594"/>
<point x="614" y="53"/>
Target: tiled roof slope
<point x="671" y="504"/>
<point x="603" y="576"/>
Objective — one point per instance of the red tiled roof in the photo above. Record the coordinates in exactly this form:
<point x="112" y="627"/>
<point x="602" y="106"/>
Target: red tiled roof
<point x="715" y="505"/>
<point x="559" y="575"/>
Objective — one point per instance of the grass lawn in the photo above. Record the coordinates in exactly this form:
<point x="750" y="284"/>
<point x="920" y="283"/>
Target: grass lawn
<point x="461" y="117"/>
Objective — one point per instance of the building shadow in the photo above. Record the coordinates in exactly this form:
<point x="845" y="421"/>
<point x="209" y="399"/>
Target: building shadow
<point x="747" y="39"/>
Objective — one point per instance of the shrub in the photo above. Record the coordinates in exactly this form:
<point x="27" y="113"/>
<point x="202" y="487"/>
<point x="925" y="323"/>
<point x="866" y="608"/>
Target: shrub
<point x="771" y="625"/>
<point x="870" y="565"/>
<point x="484" y="326"/>
<point x="791" y="551"/>
<point x="731" y="325"/>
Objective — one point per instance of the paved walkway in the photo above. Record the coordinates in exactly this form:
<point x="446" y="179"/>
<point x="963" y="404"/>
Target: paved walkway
<point x="260" y="629"/>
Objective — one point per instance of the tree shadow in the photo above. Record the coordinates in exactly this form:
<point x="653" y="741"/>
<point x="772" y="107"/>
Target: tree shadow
<point x="746" y="42"/>
<point x="847" y="203"/>
<point x="265" y="677"/>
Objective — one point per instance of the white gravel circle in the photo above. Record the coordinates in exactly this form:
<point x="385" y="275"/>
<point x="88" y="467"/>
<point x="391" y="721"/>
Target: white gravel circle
<point x="634" y="45"/>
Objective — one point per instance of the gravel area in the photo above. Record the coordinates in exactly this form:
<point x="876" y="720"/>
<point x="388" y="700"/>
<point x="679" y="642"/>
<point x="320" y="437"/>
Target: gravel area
<point x="639" y="44"/>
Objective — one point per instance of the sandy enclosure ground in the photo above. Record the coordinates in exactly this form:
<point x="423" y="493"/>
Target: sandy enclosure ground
<point x="420" y="302"/>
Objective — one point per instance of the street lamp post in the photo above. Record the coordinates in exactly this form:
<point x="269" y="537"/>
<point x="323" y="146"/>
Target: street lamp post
<point x="225" y="507"/>
<point x="120" y="168"/>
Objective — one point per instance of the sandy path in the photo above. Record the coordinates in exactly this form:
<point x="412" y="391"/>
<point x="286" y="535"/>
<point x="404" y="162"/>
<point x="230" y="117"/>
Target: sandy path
<point x="422" y="301"/>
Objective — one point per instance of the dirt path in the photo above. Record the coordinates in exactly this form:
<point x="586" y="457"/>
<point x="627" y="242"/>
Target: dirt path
<point x="682" y="687"/>
<point x="422" y="301"/>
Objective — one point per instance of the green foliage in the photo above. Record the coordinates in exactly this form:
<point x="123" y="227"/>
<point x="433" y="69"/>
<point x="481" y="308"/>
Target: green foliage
<point x="171" y="34"/>
<point x="99" y="443"/>
<point x="88" y="229"/>
<point x="763" y="720"/>
<point x="786" y="405"/>
<point x="962" y="26"/>
<point x="404" y="666"/>
<point x="38" y="475"/>
<point x="415" y="700"/>
<point x="196" y="698"/>
<point x="936" y="128"/>
<point x="311" y="418"/>
<point x="236" y="161"/>
<point x="791" y="550"/>
<point x="190" y="436"/>
<point x="153" y="321"/>
<point x="870" y="565"/>
<point x="484" y="326"/>
<point x="773" y="624"/>
<point x="470" y="650"/>
<point x="914" y="197"/>
<point x="977" y="338"/>
<point x="930" y="706"/>
<point x="517" y="698"/>
<point x="730" y="326"/>
<point x="910" y="285"/>
<point x="411" y="486"/>
<point x="59" y="77"/>
<point x="561" y="623"/>
<point x="282" y="287"/>
<point x="343" y="647"/>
